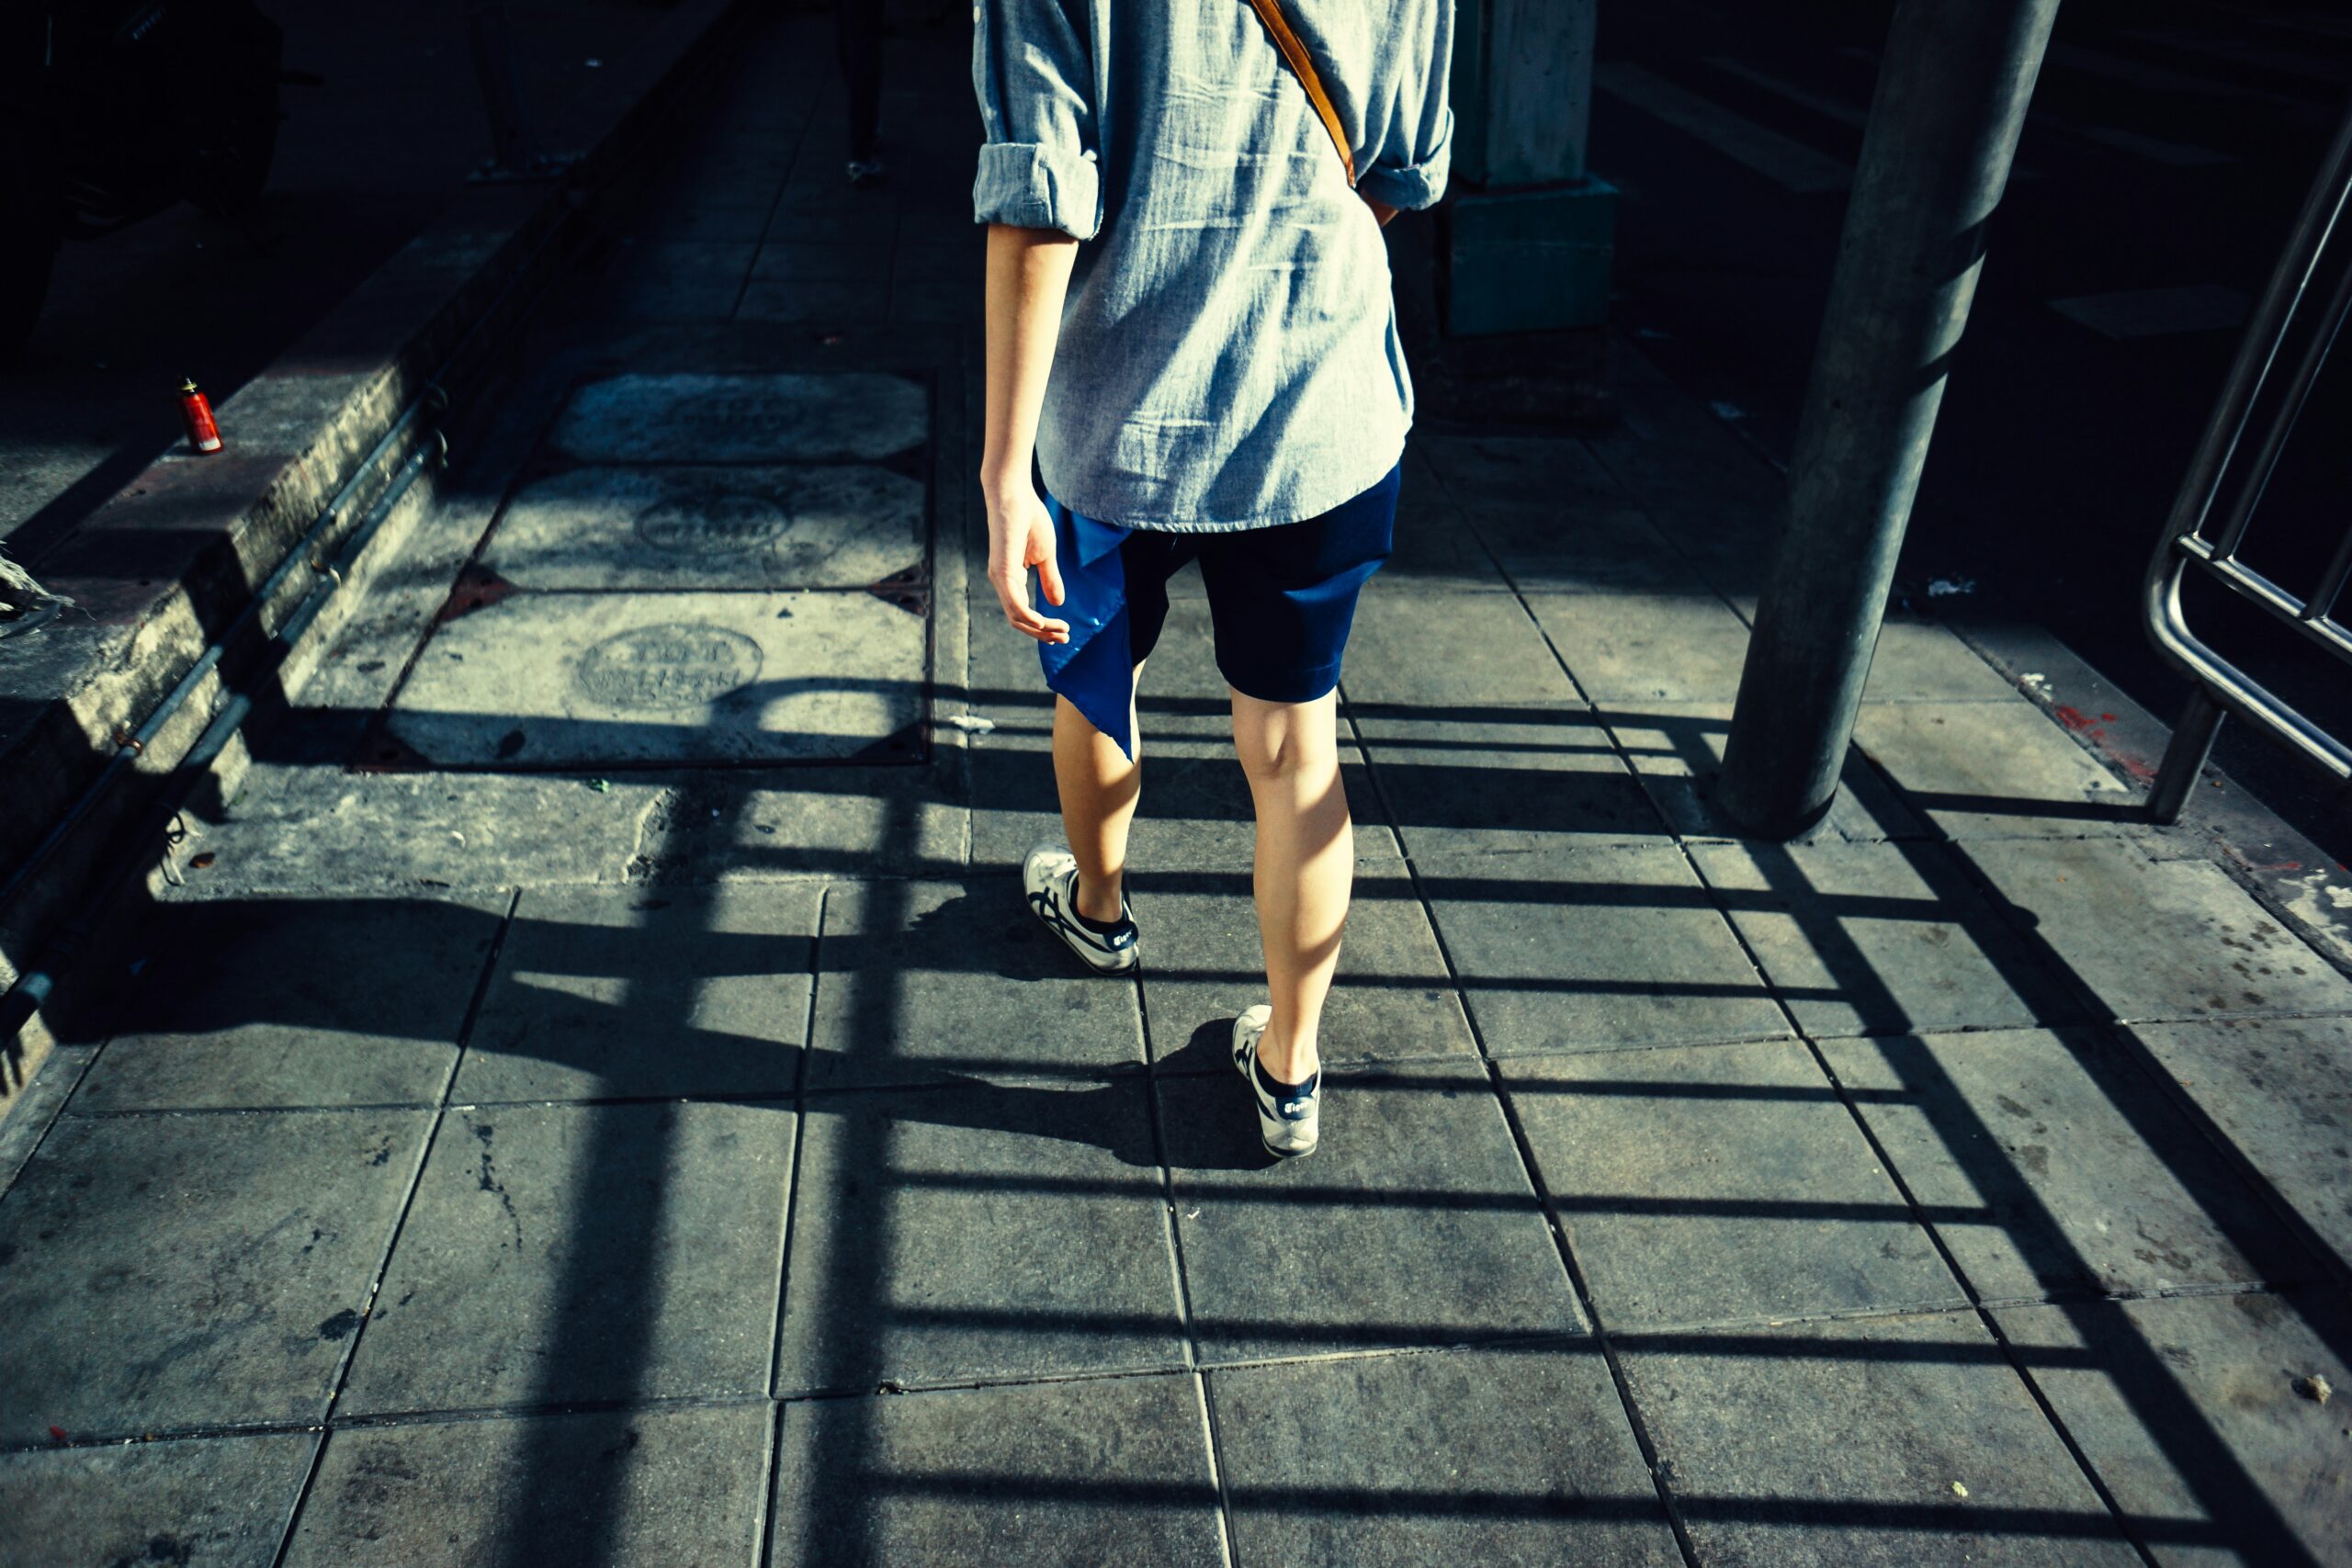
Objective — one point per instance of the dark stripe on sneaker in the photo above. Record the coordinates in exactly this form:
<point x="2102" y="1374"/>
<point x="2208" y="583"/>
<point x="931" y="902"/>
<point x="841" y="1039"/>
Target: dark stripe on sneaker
<point x="1075" y="926"/>
<point x="1290" y="1102"/>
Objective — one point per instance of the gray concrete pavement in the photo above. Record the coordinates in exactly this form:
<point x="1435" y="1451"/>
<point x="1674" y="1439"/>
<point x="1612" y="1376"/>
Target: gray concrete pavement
<point x="619" y="1154"/>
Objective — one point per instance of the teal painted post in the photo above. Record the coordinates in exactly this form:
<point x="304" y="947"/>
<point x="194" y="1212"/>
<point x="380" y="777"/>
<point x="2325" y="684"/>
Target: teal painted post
<point x="1530" y="234"/>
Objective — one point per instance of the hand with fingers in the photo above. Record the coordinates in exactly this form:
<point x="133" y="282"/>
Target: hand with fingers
<point x="1020" y="535"/>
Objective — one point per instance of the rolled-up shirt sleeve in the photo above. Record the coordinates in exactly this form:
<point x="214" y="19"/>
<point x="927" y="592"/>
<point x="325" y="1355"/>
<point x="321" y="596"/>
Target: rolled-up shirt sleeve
<point x="1412" y="144"/>
<point x="1034" y="75"/>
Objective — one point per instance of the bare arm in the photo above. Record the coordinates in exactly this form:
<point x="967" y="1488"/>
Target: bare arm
<point x="1028" y="277"/>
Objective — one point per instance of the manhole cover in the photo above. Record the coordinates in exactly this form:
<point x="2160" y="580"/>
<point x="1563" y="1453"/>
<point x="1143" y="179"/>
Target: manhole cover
<point x="760" y="525"/>
<point x="611" y="681"/>
<point x="721" y="524"/>
<point x="681" y="664"/>
<point x="706" y="418"/>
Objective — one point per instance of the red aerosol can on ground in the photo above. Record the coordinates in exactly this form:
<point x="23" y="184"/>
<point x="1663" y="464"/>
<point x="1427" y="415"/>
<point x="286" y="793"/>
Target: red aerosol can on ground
<point x="196" y="408"/>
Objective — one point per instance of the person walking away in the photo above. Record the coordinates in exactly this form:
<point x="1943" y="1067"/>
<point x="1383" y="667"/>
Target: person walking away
<point x="1190" y="329"/>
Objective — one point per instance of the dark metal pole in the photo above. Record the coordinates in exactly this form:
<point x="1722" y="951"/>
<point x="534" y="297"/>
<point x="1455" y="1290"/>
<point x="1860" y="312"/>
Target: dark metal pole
<point x="2183" y="763"/>
<point x="491" y="37"/>
<point x="1950" y="99"/>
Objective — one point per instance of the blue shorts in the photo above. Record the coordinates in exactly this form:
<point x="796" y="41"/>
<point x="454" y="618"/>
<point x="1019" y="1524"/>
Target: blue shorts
<point x="1281" y="599"/>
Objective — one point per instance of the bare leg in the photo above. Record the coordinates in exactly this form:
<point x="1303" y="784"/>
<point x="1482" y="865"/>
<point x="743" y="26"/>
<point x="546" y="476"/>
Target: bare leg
<point x="1099" y="788"/>
<point x="1305" y="865"/>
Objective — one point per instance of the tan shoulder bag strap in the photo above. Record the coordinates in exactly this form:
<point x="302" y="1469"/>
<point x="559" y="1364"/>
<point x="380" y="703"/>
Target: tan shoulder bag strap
<point x="1277" y="25"/>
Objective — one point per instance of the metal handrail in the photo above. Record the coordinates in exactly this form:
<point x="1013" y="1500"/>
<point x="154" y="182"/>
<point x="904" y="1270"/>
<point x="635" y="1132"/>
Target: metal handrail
<point x="2205" y="533"/>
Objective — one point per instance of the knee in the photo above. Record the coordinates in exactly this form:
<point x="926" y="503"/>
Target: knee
<point x="1285" y="749"/>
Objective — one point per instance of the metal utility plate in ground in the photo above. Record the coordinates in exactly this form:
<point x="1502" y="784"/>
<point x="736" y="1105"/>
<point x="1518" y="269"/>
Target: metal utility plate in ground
<point x="779" y="418"/>
<point x="710" y="525"/>
<point x="579" y="681"/>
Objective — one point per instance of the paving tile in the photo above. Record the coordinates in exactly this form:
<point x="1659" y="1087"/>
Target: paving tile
<point x="596" y="680"/>
<point x="1412" y="1224"/>
<point x="931" y="980"/>
<point x="2195" y="944"/>
<point x="1434" y="546"/>
<point x="1720" y="1184"/>
<point x="654" y="1488"/>
<point x="722" y="214"/>
<point x="1556" y="518"/>
<point x="1531" y="779"/>
<point x="774" y="417"/>
<point x="976" y="1231"/>
<point x="2062" y="1167"/>
<point x="1391" y="1001"/>
<point x="1495" y="657"/>
<point x="728" y="258"/>
<point x="1847" y="1444"/>
<point x="835" y="303"/>
<point x="257" y="1002"/>
<point x="1551" y="478"/>
<point x="559" y="1254"/>
<point x="797" y="259"/>
<point x="648" y="296"/>
<point x="1616" y="551"/>
<point x="212" y="1501"/>
<point x="1108" y="1470"/>
<point x="1993" y="770"/>
<point x="2280" y="1089"/>
<point x="1676" y="752"/>
<point x="918" y="303"/>
<point x="1337" y="1461"/>
<point x="1917" y="660"/>
<point x="174" y="1271"/>
<point x="866" y="228"/>
<point x="365" y="834"/>
<point x="681" y="279"/>
<point x="711" y="527"/>
<point x="1594" y="950"/>
<point x="1880" y="939"/>
<point x="617" y="991"/>
<point x="1646" y="646"/>
<point x="866" y="822"/>
<point x="2189" y="1411"/>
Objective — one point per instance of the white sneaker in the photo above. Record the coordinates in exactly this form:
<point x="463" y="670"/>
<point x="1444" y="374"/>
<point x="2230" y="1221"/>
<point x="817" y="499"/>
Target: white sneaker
<point x="1286" y="1113"/>
<point x="1050" y="878"/>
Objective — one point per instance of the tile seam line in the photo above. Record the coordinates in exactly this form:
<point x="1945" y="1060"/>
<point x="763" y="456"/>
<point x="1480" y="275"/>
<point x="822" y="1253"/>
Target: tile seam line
<point x="1955" y="1306"/>
<point x="1985" y="1318"/>
<point x="657" y="1405"/>
<point x="775" y="204"/>
<point x="1536" y="1338"/>
<point x="1580" y="1291"/>
<point x="763" y="1527"/>
<point x="660" y="1404"/>
<point x="56" y="1115"/>
<point x="474" y="1004"/>
<point x="1172" y="1238"/>
<point x="799" y="1140"/>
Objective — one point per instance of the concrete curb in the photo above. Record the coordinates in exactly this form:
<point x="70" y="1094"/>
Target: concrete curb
<point x="170" y="563"/>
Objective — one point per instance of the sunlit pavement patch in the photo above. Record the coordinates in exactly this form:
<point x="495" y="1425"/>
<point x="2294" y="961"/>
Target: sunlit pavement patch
<point x="742" y="419"/>
<point x="711" y="527"/>
<point x="578" y="680"/>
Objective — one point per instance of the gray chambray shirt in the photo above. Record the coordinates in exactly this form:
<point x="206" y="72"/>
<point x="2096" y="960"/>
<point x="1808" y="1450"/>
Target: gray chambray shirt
<point x="1228" y="356"/>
